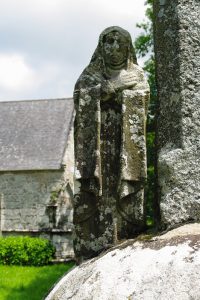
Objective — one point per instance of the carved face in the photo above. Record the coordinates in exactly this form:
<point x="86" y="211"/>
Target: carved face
<point x="115" y="50"/>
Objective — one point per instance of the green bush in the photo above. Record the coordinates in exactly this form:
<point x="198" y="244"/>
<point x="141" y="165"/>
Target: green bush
<point x="25" y="251"/>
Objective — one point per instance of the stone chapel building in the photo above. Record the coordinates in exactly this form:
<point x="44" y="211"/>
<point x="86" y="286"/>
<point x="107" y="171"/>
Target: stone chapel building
<point x="36" y="170"/>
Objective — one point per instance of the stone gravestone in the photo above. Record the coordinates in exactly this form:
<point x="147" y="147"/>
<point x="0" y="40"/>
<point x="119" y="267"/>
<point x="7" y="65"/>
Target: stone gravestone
<point x="111" y="98"/>
<point x="177" y="45"/>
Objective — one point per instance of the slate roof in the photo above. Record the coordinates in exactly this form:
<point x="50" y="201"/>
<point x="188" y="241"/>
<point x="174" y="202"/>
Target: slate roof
<point x="33" y="134"/>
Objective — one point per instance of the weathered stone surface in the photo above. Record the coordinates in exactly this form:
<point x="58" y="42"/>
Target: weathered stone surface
<point x="111" y="98"/>
<point x="177" y="46"/>
<point x="165" y="267"/>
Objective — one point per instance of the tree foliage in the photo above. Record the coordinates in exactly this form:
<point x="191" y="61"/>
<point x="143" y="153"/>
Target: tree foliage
<point x="144" y="48"/>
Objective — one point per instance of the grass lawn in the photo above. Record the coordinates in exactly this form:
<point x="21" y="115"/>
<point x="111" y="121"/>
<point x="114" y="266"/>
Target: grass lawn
<point x="29" y="283"/>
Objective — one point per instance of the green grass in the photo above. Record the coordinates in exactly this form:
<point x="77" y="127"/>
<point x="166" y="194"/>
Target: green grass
<point x="29" y="283"/>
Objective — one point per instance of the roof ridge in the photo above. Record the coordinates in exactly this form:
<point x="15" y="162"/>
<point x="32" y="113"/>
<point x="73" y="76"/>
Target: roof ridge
<point x="33" y="100"/>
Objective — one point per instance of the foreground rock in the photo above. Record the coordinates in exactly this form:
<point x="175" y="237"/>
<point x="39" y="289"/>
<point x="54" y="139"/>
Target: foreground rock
<point x="165" y="267"/>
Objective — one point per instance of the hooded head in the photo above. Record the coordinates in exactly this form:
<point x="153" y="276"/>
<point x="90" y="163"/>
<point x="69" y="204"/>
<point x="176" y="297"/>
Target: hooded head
<point x="114" y="49"/>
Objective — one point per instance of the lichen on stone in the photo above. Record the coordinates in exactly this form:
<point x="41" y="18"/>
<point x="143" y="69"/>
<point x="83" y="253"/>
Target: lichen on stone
<point x="111" y="99"/>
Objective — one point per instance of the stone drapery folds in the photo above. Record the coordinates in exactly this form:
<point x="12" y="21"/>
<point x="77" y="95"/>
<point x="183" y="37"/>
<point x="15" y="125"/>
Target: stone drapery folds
<point x="111" y="99"/>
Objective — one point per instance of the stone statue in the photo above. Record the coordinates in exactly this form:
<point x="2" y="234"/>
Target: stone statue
<point x="111" y="98"/>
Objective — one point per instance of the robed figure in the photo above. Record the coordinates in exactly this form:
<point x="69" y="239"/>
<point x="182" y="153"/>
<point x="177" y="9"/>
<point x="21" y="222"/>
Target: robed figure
<point x="111" y="98"/>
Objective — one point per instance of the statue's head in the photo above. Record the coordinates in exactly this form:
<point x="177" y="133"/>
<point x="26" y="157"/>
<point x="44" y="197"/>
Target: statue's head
<point x="115" y="49"/>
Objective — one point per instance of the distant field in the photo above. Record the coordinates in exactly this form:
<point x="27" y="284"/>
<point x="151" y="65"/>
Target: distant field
<point x="29" y="283"/>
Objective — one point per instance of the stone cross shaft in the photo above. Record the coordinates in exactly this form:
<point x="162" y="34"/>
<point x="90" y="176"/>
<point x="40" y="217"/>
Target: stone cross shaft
<point x="177" y="48"/>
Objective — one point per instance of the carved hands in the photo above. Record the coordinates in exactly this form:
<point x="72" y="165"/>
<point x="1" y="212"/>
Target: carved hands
<point x="117" y="84"/>
<point x="124" y="81"/>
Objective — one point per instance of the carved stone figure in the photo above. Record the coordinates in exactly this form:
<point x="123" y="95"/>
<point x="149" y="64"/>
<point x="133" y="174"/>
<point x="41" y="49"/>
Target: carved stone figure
<point x="111" y="98"/>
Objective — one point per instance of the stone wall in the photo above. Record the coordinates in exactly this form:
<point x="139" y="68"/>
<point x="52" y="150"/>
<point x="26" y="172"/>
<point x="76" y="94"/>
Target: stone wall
<point x="39" y="203"/>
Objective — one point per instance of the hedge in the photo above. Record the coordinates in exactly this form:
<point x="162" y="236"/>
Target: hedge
<point x="27" y="251"/>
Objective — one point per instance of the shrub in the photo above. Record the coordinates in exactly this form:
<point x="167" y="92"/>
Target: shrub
<point x="25" y="251"/>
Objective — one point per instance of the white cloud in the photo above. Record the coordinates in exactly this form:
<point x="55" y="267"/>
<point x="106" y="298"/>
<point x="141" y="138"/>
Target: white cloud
<point x="14" y="72"/>
<point x="17" y="77"/>
<point x="53" y="40"/>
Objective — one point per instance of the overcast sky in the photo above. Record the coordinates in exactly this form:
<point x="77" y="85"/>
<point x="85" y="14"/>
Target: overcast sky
<point x="46" y="44"/>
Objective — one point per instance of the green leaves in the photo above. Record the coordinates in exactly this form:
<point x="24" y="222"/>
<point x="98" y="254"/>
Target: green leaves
<point x="25" y="251"/>
<point x="144" y="48"/>
<point x="144" y="42"/>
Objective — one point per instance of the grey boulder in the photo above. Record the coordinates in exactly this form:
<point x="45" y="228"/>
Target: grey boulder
<point x="164" y="267"/>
